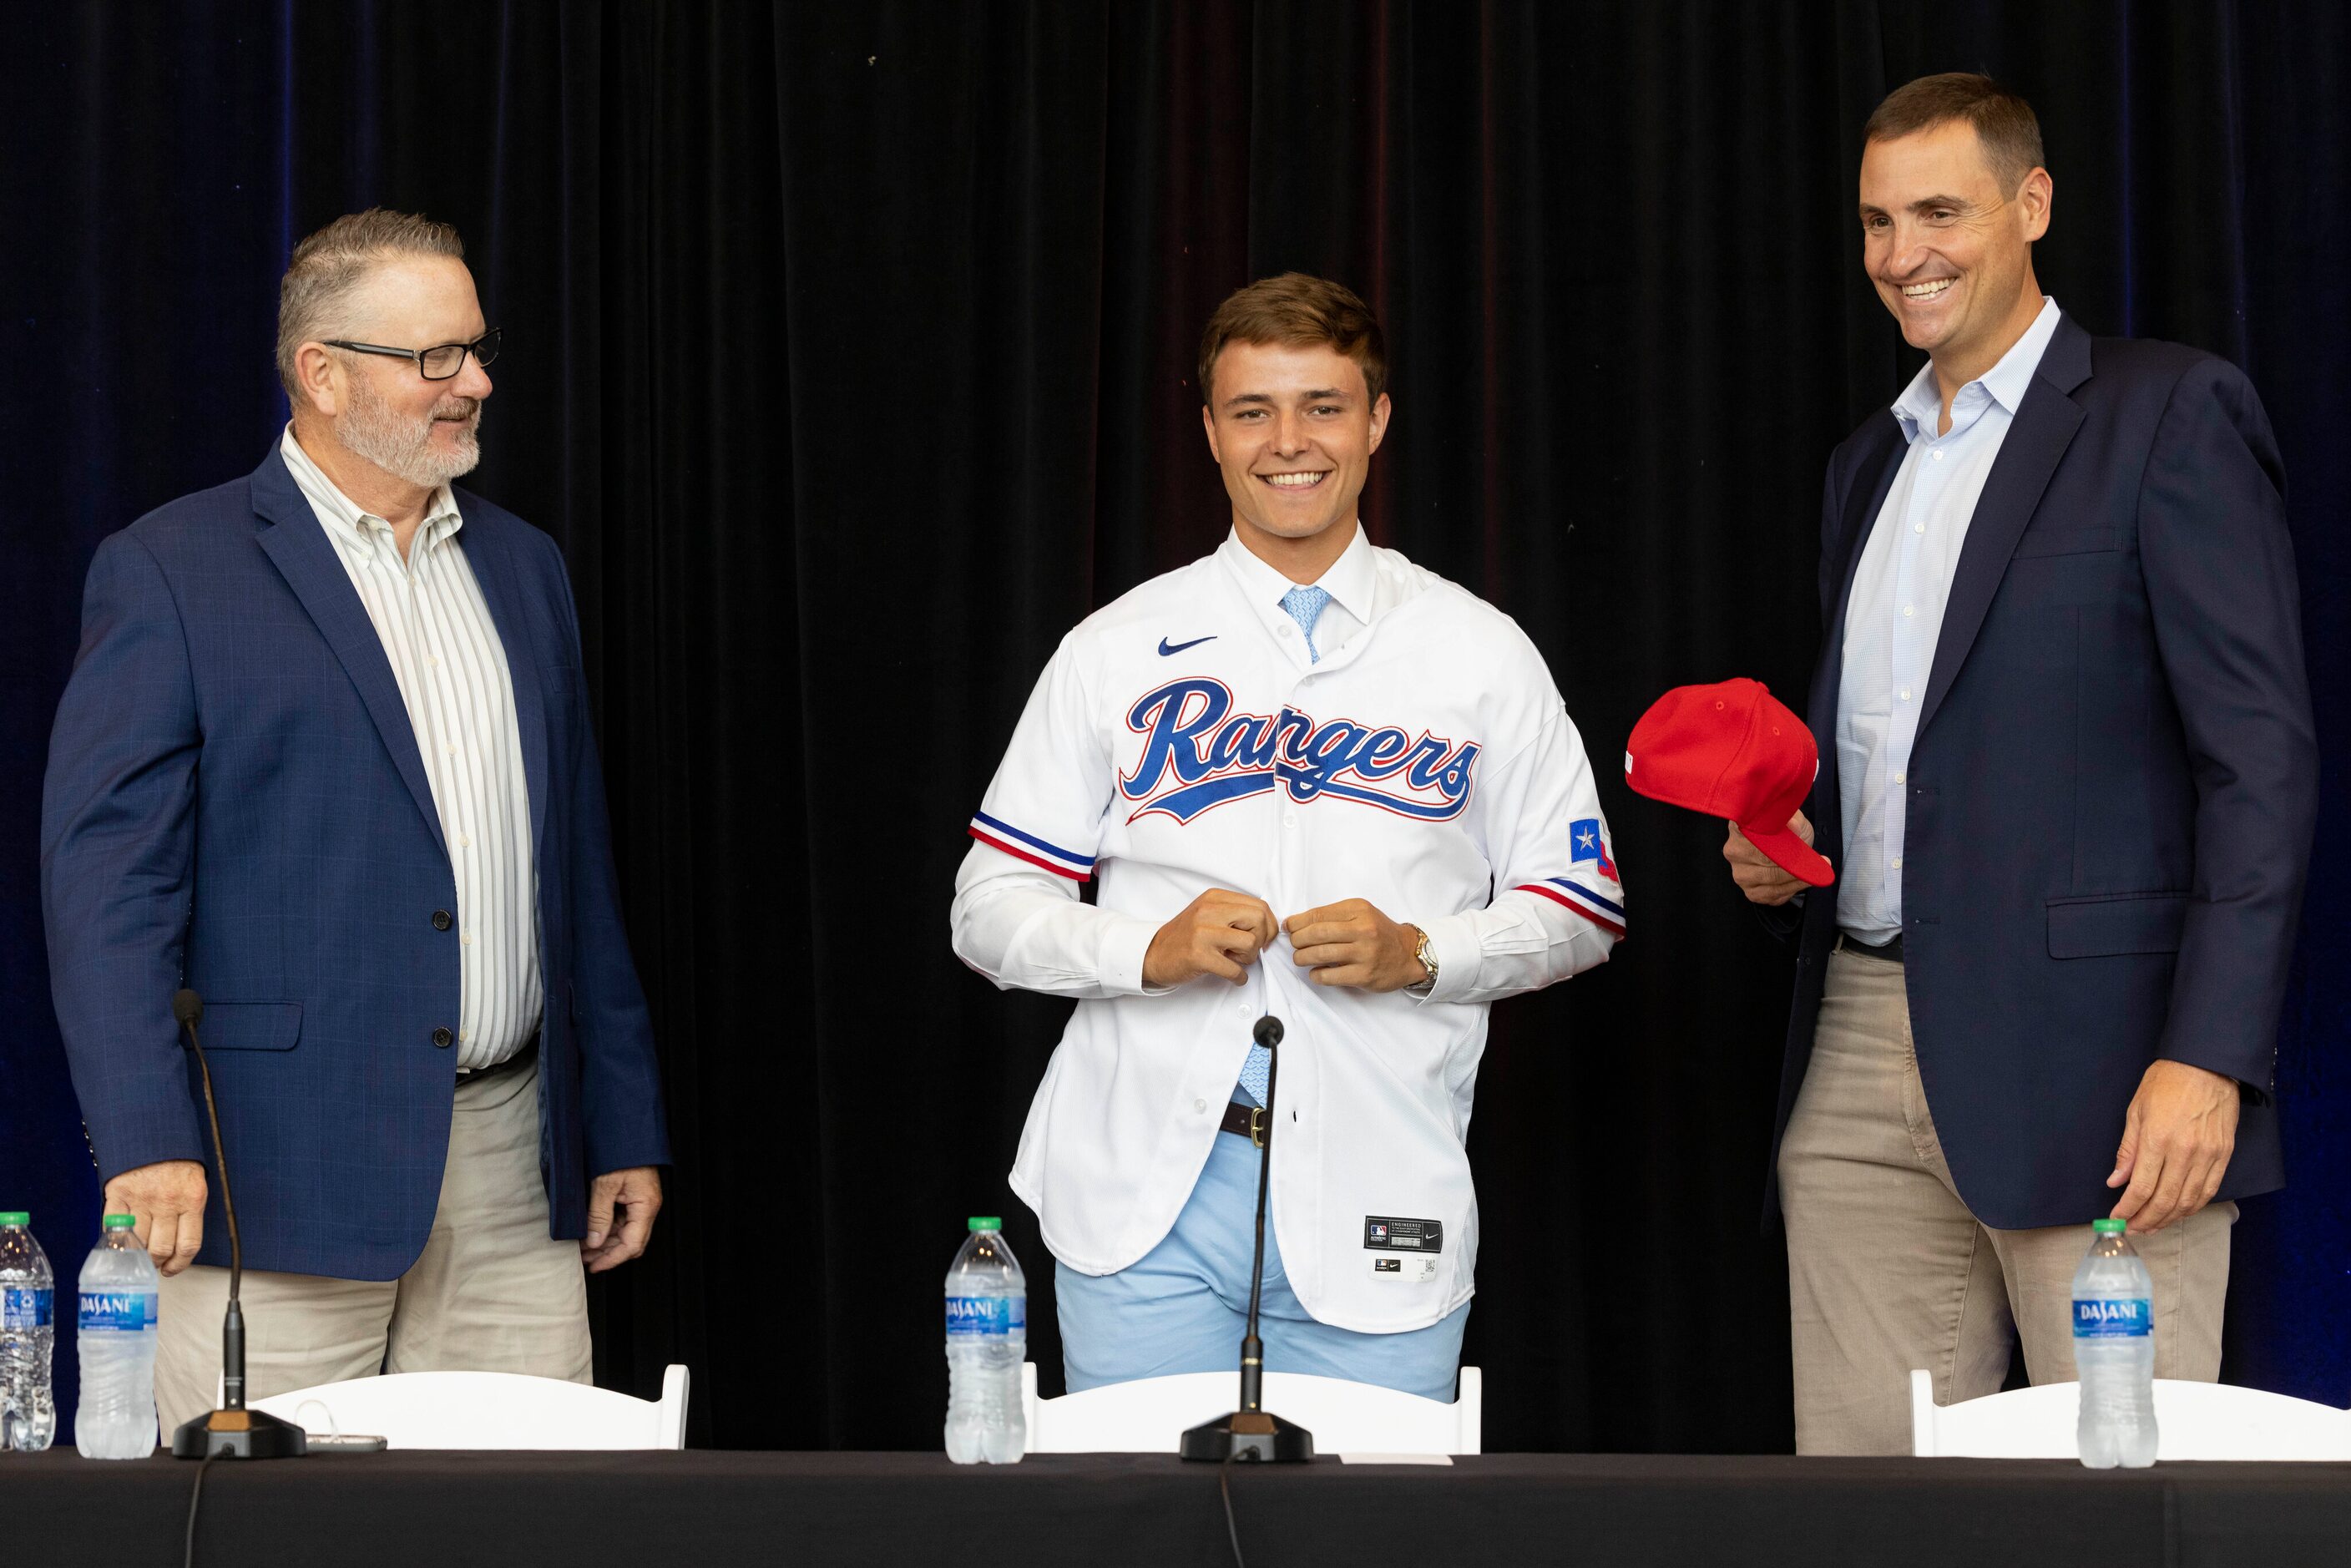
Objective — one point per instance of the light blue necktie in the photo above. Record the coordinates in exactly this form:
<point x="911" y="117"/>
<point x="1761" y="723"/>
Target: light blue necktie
<point x="1254" y="1073"/>
<point x="1304" y="606"/>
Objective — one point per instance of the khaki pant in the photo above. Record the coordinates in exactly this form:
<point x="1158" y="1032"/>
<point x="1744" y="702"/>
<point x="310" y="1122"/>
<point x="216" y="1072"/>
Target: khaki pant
<point x="1886" y="1269"/>
<point x="490" y="1293"/>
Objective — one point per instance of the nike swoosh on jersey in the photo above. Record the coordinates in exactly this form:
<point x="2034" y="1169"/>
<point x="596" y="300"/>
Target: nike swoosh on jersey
<point x="1165" y="651"/>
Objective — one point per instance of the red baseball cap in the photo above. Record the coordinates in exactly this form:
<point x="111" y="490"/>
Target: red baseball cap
<point x="1731" y="751"/>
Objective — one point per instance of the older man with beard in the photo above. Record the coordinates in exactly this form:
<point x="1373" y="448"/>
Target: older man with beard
<point x="325" y="759"/>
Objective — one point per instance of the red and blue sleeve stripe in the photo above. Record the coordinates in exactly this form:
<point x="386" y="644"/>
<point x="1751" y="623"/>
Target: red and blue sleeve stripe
<point x="1037" y="851"/>
<point x="1604" y="913"/>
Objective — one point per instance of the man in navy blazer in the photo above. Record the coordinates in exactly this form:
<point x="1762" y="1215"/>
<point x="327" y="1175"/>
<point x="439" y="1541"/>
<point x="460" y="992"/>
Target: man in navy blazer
<point x="2070" y="801"/>
<point x="325" y="759"/>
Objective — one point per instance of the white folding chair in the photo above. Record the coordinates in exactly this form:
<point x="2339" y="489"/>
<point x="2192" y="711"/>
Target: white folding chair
<point x="488" y="1410"/>
<point x="1149" y="1415"/>
<point x="2193" y="1421"/>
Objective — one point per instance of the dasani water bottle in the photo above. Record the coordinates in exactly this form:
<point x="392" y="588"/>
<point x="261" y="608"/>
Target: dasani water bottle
<point x="987" y="1339"/>
<point x="28" y="1413"/>
<point x="117" y="1334"/>
<point x="2114" y="1352"/>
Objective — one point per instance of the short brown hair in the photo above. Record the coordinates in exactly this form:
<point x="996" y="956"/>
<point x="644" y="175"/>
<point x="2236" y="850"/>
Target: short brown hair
<point x="2005" y="124"/>
<point x="329" y="266"/>
<point x="1298" y="311"/>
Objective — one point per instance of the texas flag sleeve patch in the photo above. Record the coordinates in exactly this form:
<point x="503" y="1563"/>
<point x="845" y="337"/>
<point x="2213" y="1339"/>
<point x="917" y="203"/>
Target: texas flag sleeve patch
<point x="1588" y="841"/>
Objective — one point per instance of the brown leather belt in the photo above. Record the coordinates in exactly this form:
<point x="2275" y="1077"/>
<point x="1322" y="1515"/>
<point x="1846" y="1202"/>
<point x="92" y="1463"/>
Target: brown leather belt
<point x="515" y="1063"/>
<point x="1246" y="1121"/>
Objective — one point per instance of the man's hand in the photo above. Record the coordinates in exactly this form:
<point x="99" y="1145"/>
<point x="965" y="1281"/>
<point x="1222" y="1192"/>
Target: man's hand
<point x="167" y="1199"/>
<point x="2178" y="1135"/>
<point x="2179" y="1139"/>
<point x="1218" y="933"/>
<point x="1759" y="876"/>
<point x="637" y="1193"/>
<point x="1352" y="944"/>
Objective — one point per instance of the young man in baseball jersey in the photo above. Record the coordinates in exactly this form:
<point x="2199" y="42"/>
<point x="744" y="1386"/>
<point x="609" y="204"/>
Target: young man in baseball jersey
<point x="1317" y="781"/>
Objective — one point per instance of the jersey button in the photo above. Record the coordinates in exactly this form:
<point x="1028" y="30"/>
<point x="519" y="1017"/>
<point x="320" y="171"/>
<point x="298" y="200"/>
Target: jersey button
<point x="1199" y="1105"/>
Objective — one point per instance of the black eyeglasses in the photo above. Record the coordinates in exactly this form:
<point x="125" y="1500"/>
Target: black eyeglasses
<point x="437" y="363"/>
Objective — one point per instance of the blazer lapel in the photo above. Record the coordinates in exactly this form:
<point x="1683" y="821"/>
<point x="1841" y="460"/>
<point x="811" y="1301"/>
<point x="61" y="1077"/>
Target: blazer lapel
<point x="2036" y="442"/>
<point x="1873" y="478"/>
<point x="296" y="542"/>
<point x="489" y="544"/>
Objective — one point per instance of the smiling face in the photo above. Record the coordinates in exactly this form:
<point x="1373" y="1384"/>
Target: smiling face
<point x="1293" y="428"/>
<point x="1949" y="251"/>
<point x="422" y="432"/>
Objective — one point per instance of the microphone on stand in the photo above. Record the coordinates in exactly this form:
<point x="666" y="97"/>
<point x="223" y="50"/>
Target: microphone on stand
<point x="231" y="1432"/>
<point x="1251" y="1432"/>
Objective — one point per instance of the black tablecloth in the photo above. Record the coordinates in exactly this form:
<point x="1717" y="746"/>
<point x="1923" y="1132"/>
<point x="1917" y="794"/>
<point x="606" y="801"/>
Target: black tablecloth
<point x="518" y="1510"/>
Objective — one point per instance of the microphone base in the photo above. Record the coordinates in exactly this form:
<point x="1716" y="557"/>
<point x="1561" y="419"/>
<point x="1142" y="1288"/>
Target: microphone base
<point x="240" y="1434"/>
<point x="1249" y="1436"/>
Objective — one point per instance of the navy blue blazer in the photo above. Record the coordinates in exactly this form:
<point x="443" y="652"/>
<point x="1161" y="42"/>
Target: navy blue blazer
<point x="2114" y="783"/>
<point x="235" y="803"/>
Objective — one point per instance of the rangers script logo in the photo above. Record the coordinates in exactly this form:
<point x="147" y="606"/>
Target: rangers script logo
<point x="1214" y="755"/>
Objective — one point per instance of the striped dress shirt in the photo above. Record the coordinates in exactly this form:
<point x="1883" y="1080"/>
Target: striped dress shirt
<point x="435" y="627"/>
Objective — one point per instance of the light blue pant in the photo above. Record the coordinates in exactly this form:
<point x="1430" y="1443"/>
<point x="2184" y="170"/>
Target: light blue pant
<point x="1184" y="1305"/>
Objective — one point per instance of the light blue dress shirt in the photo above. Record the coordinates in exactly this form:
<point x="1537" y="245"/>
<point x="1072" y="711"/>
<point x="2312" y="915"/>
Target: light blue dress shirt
<point x="1895" y="615"/>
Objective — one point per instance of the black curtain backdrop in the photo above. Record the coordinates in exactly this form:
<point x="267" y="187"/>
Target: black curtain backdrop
<point x="849" y="356"/>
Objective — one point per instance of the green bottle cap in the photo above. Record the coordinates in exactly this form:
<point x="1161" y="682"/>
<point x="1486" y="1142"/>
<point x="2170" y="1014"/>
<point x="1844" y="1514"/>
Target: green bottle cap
<point x="2110" y="1226"/>
<point x="122" y="1221"/>
<point x="984" y="1222"/>
<point x="15" y="1217"/>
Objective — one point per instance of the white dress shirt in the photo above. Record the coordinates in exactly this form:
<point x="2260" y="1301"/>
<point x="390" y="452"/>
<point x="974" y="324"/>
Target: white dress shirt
<point x="1181" y="740"/>
<point x="1894" y="615"/>
<point x="451" y="667"/>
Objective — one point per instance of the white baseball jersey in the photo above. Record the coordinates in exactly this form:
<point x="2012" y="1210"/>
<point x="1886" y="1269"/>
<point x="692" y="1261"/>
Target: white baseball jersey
<point x="1182" y="738"/>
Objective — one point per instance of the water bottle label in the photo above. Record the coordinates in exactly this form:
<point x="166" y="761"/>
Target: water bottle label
<point x="124" y="1311"/>
<point x="986" y="1315"/>
<point x="24" y="1307"/>
<point x="2113" y="1320"/>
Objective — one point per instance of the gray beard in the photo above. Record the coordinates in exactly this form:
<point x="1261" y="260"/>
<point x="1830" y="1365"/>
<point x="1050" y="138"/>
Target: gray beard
<point x="403" y="447"/>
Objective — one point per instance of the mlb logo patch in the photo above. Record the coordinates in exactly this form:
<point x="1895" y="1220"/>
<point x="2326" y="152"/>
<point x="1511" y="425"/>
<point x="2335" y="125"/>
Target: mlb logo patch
<point x="1586" y="843"/>
<point x="1379" y="1232"/>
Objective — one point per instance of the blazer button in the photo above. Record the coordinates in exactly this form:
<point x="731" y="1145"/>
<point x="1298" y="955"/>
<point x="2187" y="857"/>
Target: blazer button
<point x="441" y="921"/>
<point x="442" y="1037"/>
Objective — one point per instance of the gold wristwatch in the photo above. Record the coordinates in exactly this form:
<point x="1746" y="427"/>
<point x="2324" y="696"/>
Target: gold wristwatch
<point x="1427" y="956"/>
